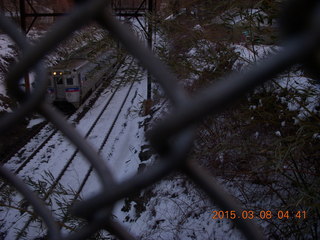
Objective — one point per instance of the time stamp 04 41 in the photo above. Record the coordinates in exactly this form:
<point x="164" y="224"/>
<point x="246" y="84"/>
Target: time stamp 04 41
<point x="246" y="214"/>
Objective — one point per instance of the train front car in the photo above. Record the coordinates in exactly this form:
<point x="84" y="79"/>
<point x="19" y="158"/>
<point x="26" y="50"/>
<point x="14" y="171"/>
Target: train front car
<point x="65" y="82"/>
<point x="72" y="88"/>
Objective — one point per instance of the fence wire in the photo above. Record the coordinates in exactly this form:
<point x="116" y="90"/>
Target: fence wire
<point x="172" y="138"/>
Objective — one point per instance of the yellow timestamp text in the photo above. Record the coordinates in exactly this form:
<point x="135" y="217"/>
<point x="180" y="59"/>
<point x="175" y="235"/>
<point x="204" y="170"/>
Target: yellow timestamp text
<point x="263" y="214"/>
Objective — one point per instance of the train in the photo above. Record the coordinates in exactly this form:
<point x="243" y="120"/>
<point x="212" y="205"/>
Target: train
<point x="73" y="80"/>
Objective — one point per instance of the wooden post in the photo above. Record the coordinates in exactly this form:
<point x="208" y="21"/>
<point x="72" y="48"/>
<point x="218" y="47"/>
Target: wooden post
<point x="150" y="43"/>
<point x="23" y="23"/>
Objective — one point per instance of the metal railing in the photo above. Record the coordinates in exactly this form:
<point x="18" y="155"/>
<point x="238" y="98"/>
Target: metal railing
<point x="172" y="138"/>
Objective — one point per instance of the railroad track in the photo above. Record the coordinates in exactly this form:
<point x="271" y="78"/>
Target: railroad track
<point x="103" y="144"/>
<point x="75" y="155"/>
<point x="50" y="131"/>
<point x="23" y="141"/>
<point x="18" y="149"/>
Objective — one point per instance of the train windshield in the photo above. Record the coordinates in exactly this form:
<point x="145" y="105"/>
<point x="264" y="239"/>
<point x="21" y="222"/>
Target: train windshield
<point x="58" y="80"/>
<point x="69" y="81"/>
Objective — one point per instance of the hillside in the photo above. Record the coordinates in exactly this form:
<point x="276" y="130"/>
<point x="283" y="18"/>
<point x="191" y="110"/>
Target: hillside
<point x="263" y="149"/>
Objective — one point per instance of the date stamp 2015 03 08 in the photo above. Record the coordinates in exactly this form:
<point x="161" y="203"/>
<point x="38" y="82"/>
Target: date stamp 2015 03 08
<point x="248" y="214"/>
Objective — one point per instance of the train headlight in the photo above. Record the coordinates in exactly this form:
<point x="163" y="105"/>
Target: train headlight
<point x="54" y="73"/>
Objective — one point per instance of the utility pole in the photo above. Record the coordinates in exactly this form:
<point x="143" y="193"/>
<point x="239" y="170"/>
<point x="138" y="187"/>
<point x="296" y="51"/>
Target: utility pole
<point x="145" y="9"/>
<point x="23" y="22"/>
<point x="24" y="29"/>
<point x="150" y="43"/>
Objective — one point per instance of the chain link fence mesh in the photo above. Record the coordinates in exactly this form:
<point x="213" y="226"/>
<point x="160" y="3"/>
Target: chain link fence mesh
<point x="172" y="138"/>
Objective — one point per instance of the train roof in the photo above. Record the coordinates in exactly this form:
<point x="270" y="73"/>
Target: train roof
<point x="71" y="64"/>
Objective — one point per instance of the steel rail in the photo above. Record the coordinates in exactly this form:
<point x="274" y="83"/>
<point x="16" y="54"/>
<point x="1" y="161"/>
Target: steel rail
<point x="45" y="141"/>
<point x="39" y="207"/>
<point x="75" y="153"/>
<point x="107" y="135"/>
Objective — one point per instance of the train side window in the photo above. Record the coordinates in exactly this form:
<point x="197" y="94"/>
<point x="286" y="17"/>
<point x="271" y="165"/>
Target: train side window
<point x="69" y="81"/>
<point x="58" y="80"/>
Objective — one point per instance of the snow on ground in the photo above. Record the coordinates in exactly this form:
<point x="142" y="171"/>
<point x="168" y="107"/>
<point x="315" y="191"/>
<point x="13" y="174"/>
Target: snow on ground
<point x="174" y="209"/>
<point x="121" y="151"/>
<point x="170" y="210"/>
<point x="251" y="53"/>
<point x="124" y="143"/>
<point x="7" y="53"/>
<point x="294" y="82"/>
<point x="35" y="121"/>
<point x="244" y="17"/>
<point x="300" y="87"/>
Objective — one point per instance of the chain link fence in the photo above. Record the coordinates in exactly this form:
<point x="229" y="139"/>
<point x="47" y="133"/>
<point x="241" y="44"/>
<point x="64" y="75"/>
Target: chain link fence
<point x="172" y="138"/>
